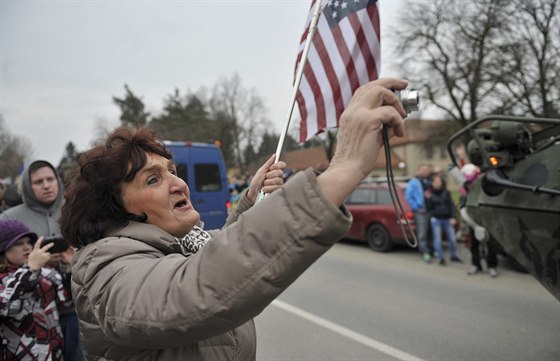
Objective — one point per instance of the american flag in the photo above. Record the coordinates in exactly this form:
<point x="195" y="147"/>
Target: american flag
<point x="345" y="53"/>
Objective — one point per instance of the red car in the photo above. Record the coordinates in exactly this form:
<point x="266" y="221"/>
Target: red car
<point x="374" y="216"/>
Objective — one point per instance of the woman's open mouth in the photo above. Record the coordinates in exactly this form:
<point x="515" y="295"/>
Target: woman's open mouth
<point x="181" y="204"/>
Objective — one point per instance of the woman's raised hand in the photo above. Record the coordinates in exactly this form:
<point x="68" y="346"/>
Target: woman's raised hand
<point x="360" y="136"/>
<point x="268" y="178"/>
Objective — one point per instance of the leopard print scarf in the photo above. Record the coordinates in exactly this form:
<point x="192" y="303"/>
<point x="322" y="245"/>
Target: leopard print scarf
<point x="193" y="241"/>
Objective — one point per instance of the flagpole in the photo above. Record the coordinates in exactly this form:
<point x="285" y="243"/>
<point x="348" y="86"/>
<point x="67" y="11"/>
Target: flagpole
<point x="299" y="75"/>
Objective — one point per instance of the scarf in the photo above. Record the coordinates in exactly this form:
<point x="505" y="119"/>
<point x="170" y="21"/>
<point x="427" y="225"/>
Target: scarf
<point x="193" y="241"/>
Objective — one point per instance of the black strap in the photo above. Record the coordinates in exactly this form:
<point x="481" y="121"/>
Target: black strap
<point x="393" y="190"/>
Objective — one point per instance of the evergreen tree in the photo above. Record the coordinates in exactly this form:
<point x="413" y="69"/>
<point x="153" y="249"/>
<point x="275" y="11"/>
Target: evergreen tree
<point x="184" y="118"/>
<point x="69" y="161"/>
<point x="132" y="109"/>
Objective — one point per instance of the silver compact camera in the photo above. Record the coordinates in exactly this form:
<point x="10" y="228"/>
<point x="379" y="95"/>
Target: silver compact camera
<point x="409" y="99"/>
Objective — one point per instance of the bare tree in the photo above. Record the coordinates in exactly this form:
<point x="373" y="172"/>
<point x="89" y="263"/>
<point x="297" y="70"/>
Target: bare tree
<point x="246" y="113"/>
<point x="531" y="58"/>
<point x="448" y="49"/>
<point x="13" y="150"/>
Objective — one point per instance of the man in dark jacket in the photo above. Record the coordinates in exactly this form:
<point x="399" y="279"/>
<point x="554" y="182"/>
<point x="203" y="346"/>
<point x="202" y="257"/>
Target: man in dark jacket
<point x="42" y="194"/>
<point x="441" y="211"/>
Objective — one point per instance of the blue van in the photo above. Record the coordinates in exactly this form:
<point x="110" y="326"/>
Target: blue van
<point x="202" y="166"/>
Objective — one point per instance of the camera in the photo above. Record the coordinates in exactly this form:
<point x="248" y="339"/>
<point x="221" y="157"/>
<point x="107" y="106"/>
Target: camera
<point x="60" y="245"/>
<point x="409" y="99"/>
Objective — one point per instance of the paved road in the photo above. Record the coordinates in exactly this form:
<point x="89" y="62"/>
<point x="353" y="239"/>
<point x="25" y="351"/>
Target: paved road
<point x="356" y="304"/>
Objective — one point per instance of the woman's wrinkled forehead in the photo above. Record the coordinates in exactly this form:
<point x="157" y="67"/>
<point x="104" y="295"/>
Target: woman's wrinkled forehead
<point x="151" y="162"/>
<point x="136" y="161"/>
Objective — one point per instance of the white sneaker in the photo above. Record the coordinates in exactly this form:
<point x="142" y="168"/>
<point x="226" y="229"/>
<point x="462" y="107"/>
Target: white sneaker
<point x="473" y="270"/>
<point x="493" y="273"/>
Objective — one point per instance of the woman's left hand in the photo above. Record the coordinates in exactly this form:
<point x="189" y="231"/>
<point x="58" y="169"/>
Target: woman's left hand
<point x="268" y="178"/>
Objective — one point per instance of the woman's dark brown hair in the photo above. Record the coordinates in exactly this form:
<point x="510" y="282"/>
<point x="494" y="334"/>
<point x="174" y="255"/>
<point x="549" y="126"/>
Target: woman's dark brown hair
<point x="93" y="197"/>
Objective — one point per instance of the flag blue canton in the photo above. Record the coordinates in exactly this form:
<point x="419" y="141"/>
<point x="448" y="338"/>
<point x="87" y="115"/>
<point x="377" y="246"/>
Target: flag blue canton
<point x="335" y="10"/>
<point x="344" y="54"/>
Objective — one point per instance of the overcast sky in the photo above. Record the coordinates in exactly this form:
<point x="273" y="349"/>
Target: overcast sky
<point x="62" y="61"/>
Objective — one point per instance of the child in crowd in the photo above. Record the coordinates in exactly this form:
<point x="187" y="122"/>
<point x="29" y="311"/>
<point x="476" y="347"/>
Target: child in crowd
<point x="30" y="292"/>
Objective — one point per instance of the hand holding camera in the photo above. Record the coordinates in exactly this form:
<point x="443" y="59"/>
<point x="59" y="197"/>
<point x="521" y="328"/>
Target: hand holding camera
<point x="40" y="255"/>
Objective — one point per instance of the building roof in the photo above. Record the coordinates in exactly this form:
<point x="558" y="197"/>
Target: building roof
<point x="304" y="158"/>
<point x="317" y="157"/>
<point x="417" y="131"/>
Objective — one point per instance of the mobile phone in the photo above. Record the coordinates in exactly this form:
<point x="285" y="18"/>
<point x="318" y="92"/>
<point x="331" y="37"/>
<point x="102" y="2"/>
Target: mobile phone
<point x="60" y="245"/>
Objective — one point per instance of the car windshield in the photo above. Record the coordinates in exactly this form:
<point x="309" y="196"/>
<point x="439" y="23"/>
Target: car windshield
<point x="361" y="196"/>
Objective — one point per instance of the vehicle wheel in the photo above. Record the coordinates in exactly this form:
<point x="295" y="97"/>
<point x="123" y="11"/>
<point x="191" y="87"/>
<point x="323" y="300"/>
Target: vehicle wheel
<point x="378" y="238"/>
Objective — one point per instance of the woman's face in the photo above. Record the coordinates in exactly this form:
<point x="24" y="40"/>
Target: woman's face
<point x="162" y="196"/>
<point x="19" y="252"/>
<point x="437" y="183"/>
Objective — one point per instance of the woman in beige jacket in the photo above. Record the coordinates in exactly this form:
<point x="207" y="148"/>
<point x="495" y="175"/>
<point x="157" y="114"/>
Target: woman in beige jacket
<point x="150" y="284"/>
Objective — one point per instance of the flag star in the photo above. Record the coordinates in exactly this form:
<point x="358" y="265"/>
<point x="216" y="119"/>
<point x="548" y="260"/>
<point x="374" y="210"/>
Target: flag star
<point x="344" y="5"/>
<point x="334" y="14"/>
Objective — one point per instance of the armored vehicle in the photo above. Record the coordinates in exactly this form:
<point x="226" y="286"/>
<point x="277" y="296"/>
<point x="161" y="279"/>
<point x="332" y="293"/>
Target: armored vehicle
<point x="516" y="200"/>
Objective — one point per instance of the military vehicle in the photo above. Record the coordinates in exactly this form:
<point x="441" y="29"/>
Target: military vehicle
<point x="516" y="200"/>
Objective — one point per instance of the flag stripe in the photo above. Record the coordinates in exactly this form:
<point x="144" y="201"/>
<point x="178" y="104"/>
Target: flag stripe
<point x="372" y="31"/>
<point x="363" y="46"/>
<point x="343" y="55"/>
<point x="311" y="73"/>
<point x="304" y="35"/>
<point x="350" y="68"/>
<point x="331" y="75"/>
<point x="301" y="101"/>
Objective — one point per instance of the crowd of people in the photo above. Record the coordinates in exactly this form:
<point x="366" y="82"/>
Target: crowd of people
<point x="35" y="289"/>
<point x="435" y="213"/>
<point x="238" y="183"/>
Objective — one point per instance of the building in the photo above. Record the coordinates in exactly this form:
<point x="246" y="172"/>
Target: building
<point x="425" y="143"/>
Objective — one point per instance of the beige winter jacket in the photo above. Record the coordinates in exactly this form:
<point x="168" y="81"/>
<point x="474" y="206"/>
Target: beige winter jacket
<point x="138" y="298"/>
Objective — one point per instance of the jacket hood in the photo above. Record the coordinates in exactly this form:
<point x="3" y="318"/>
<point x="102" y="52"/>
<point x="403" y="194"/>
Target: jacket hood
<point x="29" y="197"/>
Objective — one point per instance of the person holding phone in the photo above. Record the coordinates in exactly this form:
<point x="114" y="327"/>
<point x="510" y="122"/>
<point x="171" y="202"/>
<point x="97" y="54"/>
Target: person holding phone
<point x="59" y="245"/>
<point x="30" y="294"/>
<point x="42" y="195"/>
